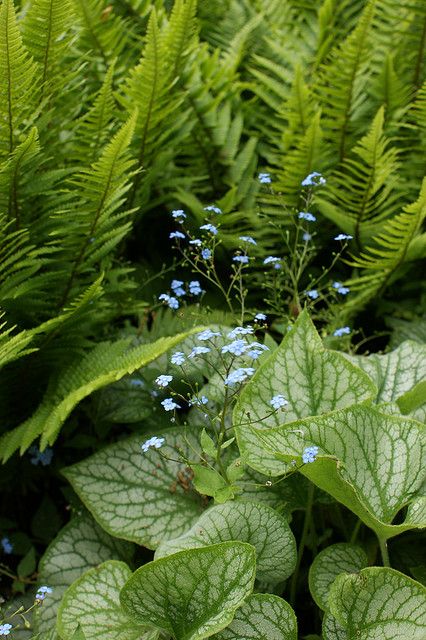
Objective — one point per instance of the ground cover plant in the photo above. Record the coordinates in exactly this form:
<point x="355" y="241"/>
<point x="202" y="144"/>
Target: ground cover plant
<point x="212" y="337"/>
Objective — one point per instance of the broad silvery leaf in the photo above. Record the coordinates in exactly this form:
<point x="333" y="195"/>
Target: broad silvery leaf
<point x="81" y="544"/>
<point x="140" y="496"/>
<point x="331" y="629"/>
<point x="192" y="594"/>
<point x="312" y="379"/>
<point x="338" y="558"/>
<point x="261" y="617"/>
<point x="93" y="603"/>
<point x="256" y="524"/>
<point x="369" y="461"/>
<point x="379" y="604"/>
<point x="397" y="374"/>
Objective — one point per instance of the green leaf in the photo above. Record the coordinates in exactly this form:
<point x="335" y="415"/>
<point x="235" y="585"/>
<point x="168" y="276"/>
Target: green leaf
<point x="262" y="617"/>
<point x="413" y="399"/>
<point x="28" y="564"/>
<point x="140" y="496"/>
<point x="235" y="471"/>
<point x="207" y="444"/>
<point x="370" y="462"/>
<point x="256" y="524"/>
<point x="379" y="603"/>
<point x="207" y="481"/>
<point x="331" y="629"/>
<point x="93" y="603"/>
<point x="338" y="558"/>
<point x="312" y="379"/>
<point x="396" y="372"/>
<point x="78" y="546"/>
<point x="192" y="594"/>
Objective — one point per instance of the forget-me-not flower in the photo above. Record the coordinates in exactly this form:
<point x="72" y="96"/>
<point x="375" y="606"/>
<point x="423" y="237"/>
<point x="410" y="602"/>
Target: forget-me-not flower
<point x="206" y="254"/>
<point x="273" y="260"/>
<point x="163" y="380"/>
<point x="169" y="404"/>
<point x="176" y="234"/>
<point x="207" y="334"/>
<point x="179" y="215"/>
<point x="171" y="302"/>
<point x="195" y="288"/>
<point x="313" y="294"/>
<point x="248" y="239"/>
<point x="278" y="401"/>
<point x="342" y="332"/>
<point x="177" y="287"/>
<point x="310" y="454"/>
<point x="343" y="236"/>
<point x="209" y="227"/>
<point x="305" y="215"/>
<point x="239" y="375"/>
<point x="240" y="331"/>
<point x="260" y="317"/>
<point x="154" y="442"/>
<point x="42" y="457"/>
<point x="306" y="237"/>
<point x="196" y="242"/>
<point x="237" y="347"/>
<point x="178" y="358"/>
<point x="314" y="179"/>
<point x="212" y="207"/>
<point x="241" y="259"/>
<point x="5" y="629"/>
<point x="340" y="288"/>
<point x="7" y="546"/>
<point x="264" y="178"/>
<point x="198" y="351"/>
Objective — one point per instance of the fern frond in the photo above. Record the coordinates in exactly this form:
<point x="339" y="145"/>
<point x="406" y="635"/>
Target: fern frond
<point x="381" y="260"/>
<point x="341" y="86"/>
<point x="17" y="80"/>
<point x="96" y="226"/>
<point x="45" y="28"/>
<point x="362" y="191"/>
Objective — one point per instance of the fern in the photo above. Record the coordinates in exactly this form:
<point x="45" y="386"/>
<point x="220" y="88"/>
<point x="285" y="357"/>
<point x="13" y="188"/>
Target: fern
<point x="17" y="76"/>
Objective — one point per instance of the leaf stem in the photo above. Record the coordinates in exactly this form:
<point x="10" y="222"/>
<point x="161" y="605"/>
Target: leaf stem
<point x="384" y="551"/>
<point x="306" y="524"/>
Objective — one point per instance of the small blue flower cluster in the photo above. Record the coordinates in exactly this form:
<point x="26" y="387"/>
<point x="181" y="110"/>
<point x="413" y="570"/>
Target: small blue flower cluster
<point x="340" y="288"/>
<point x="42" y="593"/>
<point x="264" y="178"/>
<point x="310" y="454"/>
<point x="305" y="215"/>
<point x="7" y="546"/>
<point x="40" y="457"/>
<point x="238" y="375"/>
<point x="278" y="402"/>
<point x="276" y="262"/>
<point x="177" y="287"/>
<point x="314" y="179"/>
<point x="5" y="629"/>
<point x="343" y="331"/>
<point x="153" y="442"/>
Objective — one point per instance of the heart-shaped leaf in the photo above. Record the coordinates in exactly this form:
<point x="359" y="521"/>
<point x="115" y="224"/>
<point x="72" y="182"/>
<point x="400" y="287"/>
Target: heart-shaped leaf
<point x="331" y="629"/>
<point x="261" y="617"/>
<point x="312" y="379"/>
<point x="331" y="562"/>
<point x="140" y="496"/>
<point x="256" y="524"/>
<point x="78" y="546"/>
<point x="371" y="462"/>
<point x="379" y="604"/>
<point x="93" y="603"/>
<point x="192" y="594"/>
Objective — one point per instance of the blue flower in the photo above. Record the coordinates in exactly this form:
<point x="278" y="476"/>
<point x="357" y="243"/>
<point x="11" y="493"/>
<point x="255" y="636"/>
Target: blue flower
<point x="309" y="454"/>
<point x="278" y="402"/>
<point x="198" y="402"/>
<point x="313" y="180"/>
<point x="312" y="293"/>
<point x="260" y="317"/>
<point x="198" y="351"/>
<point x="42" y="457"/>
<point x="239" y="375"/>
<point x="241" y="259"/>
<point x="343" y="236"/>
<point x="207" y="334"/>
<point x="42" y="593"/>
<point x="273" y="260"/>
<point x="306" y="237"/>
<point x="179" y="215"/>
<point x="237" y="347"/>
<point x="178" y="290"/>
<point x="163" y="381"/>
<point x="209" y="227"/>
<point x="340" y="288"/>
<point x="196" y="242"/>
<point x="7" y="545"/>
<point x="305" y="215"/>
<point x="178" y="358"/>
<point x="169" y="404"/>
<point x="135" y="382"/>
<point x="153" y="442"/>
<point x="176" y="234"/>
<point x="5" y="629"/>
<point x="211" y="207"/>
<point x="342" y="332"/>
<point x="264" y="178"/>
<point x="195" y="288"/>
<point x="248" y="239"/>
<point x="254" y="354"/>
<point x="171" y="302"/>
<point x="240" y="331"/>
<point x="206" y="254"/>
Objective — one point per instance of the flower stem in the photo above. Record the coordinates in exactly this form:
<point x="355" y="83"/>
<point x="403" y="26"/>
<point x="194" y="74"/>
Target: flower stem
<point x="306" y="524"/>
<point x="384" y="551"/>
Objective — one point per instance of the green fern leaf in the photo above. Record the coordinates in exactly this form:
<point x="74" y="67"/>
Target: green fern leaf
<point x="17" y="75"/>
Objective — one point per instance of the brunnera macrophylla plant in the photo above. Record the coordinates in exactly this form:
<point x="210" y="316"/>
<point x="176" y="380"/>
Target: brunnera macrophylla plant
<point x="273" y="430"/>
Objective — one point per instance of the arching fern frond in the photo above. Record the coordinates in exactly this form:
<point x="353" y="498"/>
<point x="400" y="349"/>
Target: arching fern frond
<point x="362" y="190"/>
<point x="389" y="250"/>
<point x="93" y="226"/>
<point x="17" y="80"/>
